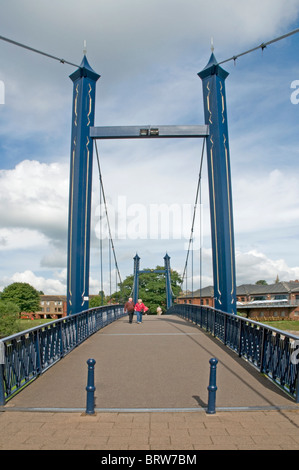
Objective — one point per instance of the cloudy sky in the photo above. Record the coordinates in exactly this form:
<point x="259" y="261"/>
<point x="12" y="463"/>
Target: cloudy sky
<point x="148" y="55"/>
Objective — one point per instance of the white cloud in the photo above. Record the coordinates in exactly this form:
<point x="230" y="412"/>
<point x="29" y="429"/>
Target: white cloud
<point x="34" y="196"/>
<point x="55" y="285"/>
<point x="253" y="266"/>
<point x="48" y="286"/>
<point x="265" y="201"/>
<point x="21" y="239"/>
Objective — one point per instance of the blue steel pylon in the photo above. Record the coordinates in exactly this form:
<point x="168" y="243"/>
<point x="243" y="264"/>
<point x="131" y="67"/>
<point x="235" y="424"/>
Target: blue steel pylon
<point x="165" y="271"/>
<point x="221" y="210"/>
<point x="168" y="281"/>
<point x="84" y="88"/>
<point x="136" y="278"/>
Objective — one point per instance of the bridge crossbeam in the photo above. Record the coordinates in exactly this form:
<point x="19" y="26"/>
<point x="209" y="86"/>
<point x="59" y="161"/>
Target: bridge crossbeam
<point x="149" y="132"/>
<point x="150" y="271"/>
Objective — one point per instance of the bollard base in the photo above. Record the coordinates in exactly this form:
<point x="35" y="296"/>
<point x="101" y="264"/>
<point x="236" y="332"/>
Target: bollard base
<point x="88" y="414"/>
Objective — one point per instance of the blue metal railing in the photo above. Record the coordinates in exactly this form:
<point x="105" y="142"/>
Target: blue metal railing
<point x="271" y="351"/>
<point x="26" y="355"/>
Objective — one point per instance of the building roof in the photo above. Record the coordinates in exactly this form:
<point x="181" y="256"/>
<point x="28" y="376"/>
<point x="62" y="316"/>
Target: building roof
<point x="204" y="292"/>
<point x="260" y="289"/>
<point x="251" y="289"/>
<point x="53" y="297"/>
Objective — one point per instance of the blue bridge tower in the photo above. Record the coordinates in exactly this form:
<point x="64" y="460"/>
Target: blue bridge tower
<point x="84" y="80"/>
<point x="221" y="209"/>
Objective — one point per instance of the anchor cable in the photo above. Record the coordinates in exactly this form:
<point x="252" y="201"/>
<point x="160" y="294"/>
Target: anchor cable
<point x="261" y="46"/>
<point x="107" y="217"/>
<point x="37" y="51"/>
<point x="63" y="61"/>
<point x="194" y="213"/>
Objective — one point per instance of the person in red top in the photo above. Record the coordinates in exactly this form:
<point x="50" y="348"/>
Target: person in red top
<point x="139" y="309"/>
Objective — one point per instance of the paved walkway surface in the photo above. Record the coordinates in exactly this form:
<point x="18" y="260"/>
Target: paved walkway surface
<point x="151" y="394"/>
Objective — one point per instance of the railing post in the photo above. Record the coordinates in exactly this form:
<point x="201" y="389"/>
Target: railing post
<point x="38" y="353"/>
<point x="212" y="388"/>
<point x="2" y="362"/>
<point x="240" y="338"/>
<point x="214" y="322"/>
<point x="262" y="351"/>
<point x="61" y="339"/>
<point x="297" y="388"/>
<point x="90" y="387"/>
<point x="224" y="328"/>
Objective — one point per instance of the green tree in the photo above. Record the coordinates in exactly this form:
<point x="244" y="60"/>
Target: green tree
<point x="26" y="297"/>
<point x="9" y="318"/>
<point x="262" y="282"/>
<point x="98" y="300"/>
<point x="152" y="288"/>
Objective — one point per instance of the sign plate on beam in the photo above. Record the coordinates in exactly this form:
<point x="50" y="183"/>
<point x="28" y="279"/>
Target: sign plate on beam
<point x="143" y="132"/>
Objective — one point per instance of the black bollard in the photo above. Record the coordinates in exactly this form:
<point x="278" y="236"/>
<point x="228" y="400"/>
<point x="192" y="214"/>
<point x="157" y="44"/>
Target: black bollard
<point x="90" y="388"/>
<point x="212" y="387"/>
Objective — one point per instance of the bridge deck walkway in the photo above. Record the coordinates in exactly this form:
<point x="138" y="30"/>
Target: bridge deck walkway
<point x="151" y="393"/>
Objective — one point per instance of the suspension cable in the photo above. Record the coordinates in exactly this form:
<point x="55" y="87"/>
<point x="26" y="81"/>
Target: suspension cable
<point x="261" y="46"/>
<point x="107" y="217"/>
<point x="101" y="250"/>
<point x="194" y="212"/>
<point x="200" y="242"/>
<point x="234" y="57"/>
<point x="37" y="51"/>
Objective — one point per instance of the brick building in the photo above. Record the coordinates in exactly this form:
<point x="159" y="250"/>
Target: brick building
<point x="276" y="301"/>
<point x="52" y="307"/>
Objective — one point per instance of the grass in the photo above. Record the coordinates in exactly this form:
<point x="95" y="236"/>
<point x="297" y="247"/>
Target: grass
<point x="27" y="324"/>
<point x="283" y="325"/>
<point x="23" y="325"/>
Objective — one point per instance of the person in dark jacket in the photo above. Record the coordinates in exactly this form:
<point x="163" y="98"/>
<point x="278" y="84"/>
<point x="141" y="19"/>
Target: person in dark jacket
<point x="129" y="309"/>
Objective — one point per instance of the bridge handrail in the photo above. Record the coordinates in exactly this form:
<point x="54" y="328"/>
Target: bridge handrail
<point x="272" y="351"/>
<point x="27" y="354"/>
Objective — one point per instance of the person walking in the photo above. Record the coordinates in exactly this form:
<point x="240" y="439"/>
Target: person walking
<point x="129" y="309"/>
<point x="139" y="309"/>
